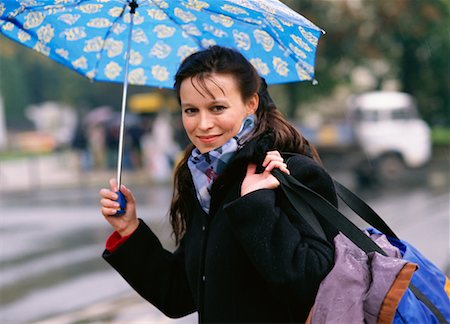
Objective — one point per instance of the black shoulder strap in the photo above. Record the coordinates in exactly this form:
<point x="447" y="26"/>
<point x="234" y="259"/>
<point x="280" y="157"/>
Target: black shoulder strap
<point x="302" y="208"/>
<point x="362" y="209"/>
<point x="358" y="205"/>
<point x="326" y="210"/>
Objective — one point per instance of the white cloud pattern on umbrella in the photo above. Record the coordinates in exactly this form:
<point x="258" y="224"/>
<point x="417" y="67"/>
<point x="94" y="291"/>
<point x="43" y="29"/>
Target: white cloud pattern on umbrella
<point x="91" y="36"/>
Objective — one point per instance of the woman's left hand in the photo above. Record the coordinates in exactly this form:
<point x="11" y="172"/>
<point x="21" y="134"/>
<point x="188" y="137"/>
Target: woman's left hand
<point x="265" y="180"/>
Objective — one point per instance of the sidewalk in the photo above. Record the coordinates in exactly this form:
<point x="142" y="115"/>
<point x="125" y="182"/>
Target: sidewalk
<point x="58" y="170"/>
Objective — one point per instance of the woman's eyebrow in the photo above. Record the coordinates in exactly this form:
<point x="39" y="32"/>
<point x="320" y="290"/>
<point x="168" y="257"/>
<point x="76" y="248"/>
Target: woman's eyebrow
<point x="212" y="102"/>
<point x="186" y="105"/>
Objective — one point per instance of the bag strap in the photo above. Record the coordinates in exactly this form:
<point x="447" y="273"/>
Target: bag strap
<point x="303" y="209"/>
<point x="424" y="299"/>
<point x="359" y="206"/>
<point x="362" y="209"/>
<point x="326" y="211"/>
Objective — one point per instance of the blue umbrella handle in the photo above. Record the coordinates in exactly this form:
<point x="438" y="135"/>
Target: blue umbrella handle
<point x="122" y="202"/>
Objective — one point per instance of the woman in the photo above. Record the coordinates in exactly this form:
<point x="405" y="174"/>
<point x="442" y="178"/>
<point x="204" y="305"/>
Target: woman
<point x="243" y="255"/>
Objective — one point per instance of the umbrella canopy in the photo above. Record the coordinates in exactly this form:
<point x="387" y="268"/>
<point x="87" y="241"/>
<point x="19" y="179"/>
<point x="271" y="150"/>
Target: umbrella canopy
<point x="92" y="36"/>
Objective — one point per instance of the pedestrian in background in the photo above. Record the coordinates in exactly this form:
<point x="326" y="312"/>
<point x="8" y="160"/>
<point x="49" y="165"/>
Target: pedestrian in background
<point x="243" y="255"/>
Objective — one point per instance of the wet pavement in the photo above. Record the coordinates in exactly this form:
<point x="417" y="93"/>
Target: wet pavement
<point x="51" y="240"/>
<point x="51" y="245"/>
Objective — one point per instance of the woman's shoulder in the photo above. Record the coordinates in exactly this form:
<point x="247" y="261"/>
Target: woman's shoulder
<point x="299" y="164"/>
<point x="311" y="174"/>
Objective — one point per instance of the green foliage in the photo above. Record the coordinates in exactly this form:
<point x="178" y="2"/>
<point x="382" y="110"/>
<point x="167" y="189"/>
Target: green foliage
<point x="13" y="89"/>
<point x="421" y="29"/>
<point x="411" y="37"/>
<point x="440" y="135"/>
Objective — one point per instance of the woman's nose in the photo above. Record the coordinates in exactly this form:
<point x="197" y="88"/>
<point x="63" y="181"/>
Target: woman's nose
<point x="205" y="122"/>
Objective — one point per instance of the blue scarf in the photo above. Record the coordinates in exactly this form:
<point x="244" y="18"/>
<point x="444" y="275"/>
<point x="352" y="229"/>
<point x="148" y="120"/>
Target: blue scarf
<point x="206" y="167"/>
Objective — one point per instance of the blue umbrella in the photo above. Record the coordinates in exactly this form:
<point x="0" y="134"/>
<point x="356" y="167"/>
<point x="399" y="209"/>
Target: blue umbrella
<point x="142" y="42"/>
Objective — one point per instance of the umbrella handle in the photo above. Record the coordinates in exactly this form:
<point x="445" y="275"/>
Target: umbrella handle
<point x="122" y="202"/>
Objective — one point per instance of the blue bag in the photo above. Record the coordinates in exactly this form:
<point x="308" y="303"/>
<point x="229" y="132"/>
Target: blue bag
<point x="431" y="282"/>
<point x="427" y="297"/>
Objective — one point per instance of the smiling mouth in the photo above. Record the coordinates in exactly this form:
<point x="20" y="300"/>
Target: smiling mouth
<point x="207" y="139"/>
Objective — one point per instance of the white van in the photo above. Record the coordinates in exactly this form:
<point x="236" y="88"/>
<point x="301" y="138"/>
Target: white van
<point x="389" y="131"/>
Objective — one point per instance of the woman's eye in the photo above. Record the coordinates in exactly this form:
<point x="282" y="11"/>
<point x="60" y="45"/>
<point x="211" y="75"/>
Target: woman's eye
<point x="190" y="111"/>
<point x="218" y="108"/>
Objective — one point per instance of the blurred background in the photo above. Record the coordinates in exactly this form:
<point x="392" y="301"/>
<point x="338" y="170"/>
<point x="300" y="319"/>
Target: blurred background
<point x="379" y="116"/>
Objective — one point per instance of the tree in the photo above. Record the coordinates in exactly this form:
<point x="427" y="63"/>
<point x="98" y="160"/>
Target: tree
<point x="421" y="27"/>
<point x="14" y="90"/>
<point x="409" y="36"/>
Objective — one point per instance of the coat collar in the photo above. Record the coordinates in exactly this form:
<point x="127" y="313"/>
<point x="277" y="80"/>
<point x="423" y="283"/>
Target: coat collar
<point x="253" y="151"/>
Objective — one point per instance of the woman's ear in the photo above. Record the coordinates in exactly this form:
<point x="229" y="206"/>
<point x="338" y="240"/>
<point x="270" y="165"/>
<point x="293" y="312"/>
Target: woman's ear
<point x="252" y="104"/>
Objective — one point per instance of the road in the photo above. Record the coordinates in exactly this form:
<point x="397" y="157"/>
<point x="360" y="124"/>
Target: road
<point x="50" y="248"/>
<point x="51" y="242"/>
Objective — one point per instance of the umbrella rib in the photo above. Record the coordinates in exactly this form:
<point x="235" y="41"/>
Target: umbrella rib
<point x="176" y="23"/>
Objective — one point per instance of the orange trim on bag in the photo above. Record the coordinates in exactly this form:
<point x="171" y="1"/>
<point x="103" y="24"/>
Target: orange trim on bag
<point x="308" y="320"/>
<point x="395" y="293"/>
<point x="447" y="286"/>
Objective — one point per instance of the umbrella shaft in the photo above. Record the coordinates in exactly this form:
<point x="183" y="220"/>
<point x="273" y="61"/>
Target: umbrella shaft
<point x="124" y="102"/>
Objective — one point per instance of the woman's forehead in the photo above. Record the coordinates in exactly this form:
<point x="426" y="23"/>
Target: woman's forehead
<point x="211" y="85"/>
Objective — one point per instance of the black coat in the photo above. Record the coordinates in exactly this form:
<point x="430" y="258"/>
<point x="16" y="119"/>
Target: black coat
<point x="251" y="260"/>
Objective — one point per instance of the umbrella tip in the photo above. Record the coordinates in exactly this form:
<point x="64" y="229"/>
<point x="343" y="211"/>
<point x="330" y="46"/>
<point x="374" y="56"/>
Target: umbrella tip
<point x="314" y="82"/>
<point x="133" y="5"/>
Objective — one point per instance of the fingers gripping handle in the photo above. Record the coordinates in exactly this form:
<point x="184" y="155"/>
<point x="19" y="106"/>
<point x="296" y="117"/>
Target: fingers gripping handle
<point x="122" y="202"/>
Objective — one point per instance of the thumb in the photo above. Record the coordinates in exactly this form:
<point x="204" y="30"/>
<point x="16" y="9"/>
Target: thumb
<point x="127" y="193"/>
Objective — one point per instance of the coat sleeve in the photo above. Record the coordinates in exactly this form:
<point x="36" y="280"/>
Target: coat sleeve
<point x="156" y="274"/>
<point x="284" y="249"/>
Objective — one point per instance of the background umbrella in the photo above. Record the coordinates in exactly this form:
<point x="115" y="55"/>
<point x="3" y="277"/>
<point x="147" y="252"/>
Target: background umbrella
<point x="142" y="42"/>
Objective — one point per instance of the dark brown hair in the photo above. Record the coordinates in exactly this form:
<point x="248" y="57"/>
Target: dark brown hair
<point x="222" y="60"/>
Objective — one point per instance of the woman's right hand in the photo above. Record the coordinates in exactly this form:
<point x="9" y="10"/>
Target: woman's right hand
<point x="124" y="224"/>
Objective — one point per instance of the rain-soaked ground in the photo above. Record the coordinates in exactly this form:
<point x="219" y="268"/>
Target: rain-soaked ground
<point x="51" y="241"/>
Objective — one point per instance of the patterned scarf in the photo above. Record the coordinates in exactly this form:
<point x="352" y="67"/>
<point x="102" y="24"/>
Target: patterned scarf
<point x="206" y="167"/>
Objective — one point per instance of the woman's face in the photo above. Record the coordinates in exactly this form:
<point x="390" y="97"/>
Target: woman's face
<point x="213" y="115"/>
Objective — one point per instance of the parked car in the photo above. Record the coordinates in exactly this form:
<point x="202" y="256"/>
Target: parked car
<point x="390" y="132"/>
